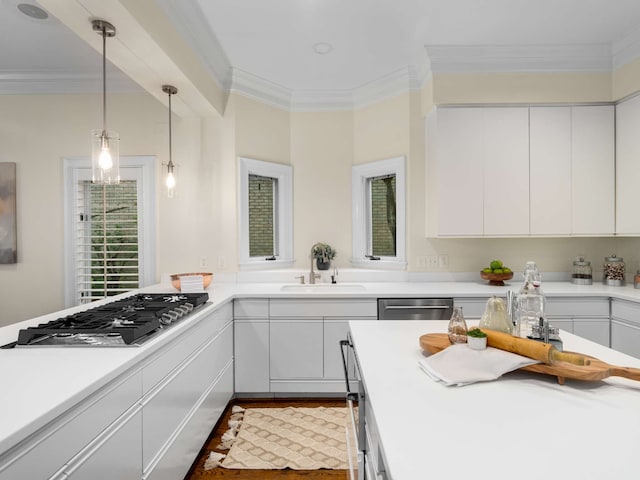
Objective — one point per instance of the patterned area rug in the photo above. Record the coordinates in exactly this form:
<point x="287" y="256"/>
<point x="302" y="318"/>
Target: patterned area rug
<point x="298" y="438"/>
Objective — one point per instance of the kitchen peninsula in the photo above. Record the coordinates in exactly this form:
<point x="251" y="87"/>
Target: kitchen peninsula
<point x="523" y="425"/>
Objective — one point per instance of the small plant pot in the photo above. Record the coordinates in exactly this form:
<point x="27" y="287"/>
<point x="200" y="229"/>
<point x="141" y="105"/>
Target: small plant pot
<point x="477" y="343"/>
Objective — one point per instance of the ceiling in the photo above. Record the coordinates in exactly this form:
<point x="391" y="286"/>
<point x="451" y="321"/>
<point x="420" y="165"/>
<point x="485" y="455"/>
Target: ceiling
<point x="266" y="48"/>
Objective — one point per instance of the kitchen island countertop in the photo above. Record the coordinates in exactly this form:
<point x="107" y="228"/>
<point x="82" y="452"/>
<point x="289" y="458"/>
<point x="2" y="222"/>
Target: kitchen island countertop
<point x="523" y="425"/>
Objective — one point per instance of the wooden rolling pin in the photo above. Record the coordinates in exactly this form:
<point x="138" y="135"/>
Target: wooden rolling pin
<point x="544" y="352"/>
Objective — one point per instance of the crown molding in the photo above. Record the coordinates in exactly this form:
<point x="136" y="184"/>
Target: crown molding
<point x="395" y="83"/>
<point x="47" y="82"/>
<point x="519" y="58"/>
<point x="191" y="24"/>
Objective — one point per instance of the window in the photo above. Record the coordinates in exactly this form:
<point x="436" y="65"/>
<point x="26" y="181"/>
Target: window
<point x="109" y="245"/>
<point x="265" y="202"/>
<point x="378" y="190"/>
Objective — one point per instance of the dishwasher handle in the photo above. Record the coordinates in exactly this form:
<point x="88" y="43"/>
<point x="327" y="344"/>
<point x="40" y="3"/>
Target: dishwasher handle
<point x="347" y="344"/>
<point x="416" y="307"/>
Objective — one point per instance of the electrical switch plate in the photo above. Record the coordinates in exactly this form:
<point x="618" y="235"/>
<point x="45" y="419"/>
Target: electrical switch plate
<point x="203" y="262"/>
<point x="432" y="261"/>
<point x="443" y="261"/>
<point x="222" y="261"/>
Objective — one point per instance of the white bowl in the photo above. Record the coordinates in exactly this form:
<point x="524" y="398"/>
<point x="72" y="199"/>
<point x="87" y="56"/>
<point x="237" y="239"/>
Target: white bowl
<point x="477" y="343"/>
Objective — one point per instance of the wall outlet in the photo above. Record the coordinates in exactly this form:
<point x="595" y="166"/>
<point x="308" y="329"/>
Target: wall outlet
<point x="203" y="262"/>
<point x="443" y="261"/>
<point x="432" y="261"/>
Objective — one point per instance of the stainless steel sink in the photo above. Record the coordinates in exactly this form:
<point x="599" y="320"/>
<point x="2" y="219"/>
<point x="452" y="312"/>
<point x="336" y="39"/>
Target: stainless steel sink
<point x="323" y="288"/>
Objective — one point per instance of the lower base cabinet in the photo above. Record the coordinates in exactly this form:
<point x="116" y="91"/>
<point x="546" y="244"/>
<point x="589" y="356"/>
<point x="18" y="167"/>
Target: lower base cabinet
<point x="150" y="423"/>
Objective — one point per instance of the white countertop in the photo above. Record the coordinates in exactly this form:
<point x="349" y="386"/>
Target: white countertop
<point x="40" y="383"/>
<point x="523" y="425"/>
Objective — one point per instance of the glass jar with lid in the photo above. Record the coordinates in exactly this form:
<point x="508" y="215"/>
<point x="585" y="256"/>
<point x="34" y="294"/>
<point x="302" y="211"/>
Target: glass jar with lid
<point x="613" y="271"/>
<point x="581" y="274"/>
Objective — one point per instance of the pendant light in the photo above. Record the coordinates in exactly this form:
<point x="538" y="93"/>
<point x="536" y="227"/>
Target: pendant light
<point x="170" y="180"/>
<point x="105" y="159"/>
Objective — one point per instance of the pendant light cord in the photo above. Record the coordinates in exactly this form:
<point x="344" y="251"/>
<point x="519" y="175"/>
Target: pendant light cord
<point x="104" y="79"/>
<point x="170" y="145"/>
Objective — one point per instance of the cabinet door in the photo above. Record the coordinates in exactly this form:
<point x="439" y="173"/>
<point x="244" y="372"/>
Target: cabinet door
<point x="118" y="456"/>
<point x="296" y="348"/>
<point x="625" y="337"/>
<point x="251" y="355"/>
<point x="506" y="171"/>
<point x="627" y="166"/>
<point x="592" y="170"/>
<point x="592" y="329"/>
<point x="550" y="170"/>
<point x="459" y="164"/>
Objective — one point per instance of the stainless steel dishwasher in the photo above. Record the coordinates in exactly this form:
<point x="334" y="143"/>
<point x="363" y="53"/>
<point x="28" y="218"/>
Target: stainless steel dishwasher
<point x="415" y="308"/>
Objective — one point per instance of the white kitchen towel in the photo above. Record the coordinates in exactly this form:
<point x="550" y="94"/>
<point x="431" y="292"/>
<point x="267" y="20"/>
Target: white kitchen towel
<point x="459" y="365"/>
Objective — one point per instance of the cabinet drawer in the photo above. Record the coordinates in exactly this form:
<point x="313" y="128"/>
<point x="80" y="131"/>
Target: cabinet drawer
<point x="365" y="307"/>
<point x="251" y="308"/>
<point x="578" y="307"/>
<point x="177" y="351"/>
<point x="70" y="433"/>
<point x="626" y="311"/>
<point x="165" y="409"/>
<point x="625" y="338"/>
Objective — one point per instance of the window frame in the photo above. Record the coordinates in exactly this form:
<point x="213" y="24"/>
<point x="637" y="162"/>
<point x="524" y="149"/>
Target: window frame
<point x="139" y="168"/>
<point x="283" y="214"/>
<point x="361" y="221"/>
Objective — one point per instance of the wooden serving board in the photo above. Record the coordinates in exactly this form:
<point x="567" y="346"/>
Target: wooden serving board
<point x="597" y="370"/>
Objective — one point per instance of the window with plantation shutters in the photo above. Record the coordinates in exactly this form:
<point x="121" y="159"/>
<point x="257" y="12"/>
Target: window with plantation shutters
<point x="110" y="234"/>
<point x="107" y="239"/>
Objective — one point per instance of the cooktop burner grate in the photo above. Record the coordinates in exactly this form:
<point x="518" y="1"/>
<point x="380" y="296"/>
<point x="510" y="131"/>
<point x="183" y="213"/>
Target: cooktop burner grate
<point x="131" y="318"/>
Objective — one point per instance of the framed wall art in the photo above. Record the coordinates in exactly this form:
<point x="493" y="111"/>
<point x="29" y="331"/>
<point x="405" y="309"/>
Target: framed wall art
<point x="8" y="230"/>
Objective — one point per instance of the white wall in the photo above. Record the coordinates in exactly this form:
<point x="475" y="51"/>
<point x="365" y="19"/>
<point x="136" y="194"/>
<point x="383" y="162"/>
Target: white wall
<point x="38" y="131"/>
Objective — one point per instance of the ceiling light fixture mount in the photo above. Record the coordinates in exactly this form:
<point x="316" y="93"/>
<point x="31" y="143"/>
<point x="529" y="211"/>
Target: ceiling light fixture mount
<point x="33" y="11"/>
<point x="170" y="181"/>
<point x="322" y="48"/>
<point x="105" y="158"/>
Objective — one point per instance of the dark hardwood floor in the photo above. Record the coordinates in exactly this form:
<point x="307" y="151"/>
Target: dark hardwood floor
<point x="197" y="471"/>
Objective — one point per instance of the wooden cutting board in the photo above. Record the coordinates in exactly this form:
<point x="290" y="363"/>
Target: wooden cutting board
<point x="596" y="370"/>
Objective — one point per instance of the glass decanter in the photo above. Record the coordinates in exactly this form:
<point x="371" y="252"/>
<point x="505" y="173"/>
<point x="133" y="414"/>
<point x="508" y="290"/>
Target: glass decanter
<point x="457" y="327"/>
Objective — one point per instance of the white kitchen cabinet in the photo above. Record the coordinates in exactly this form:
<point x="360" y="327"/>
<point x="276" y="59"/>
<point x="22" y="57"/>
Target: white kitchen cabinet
<point x="296" y="347"/>
<point x="627" y="166"/>
<point x="521" y="171"/>
<point x="66" y="437"/>
<point x="550" y="170"/>
<point x="625" y="327"/>
<point x="592" y="170"/>
<point x="251" y="345"/>
<point x="304" y="334"/>
<point x="587" y="317"/>
<point x="115" y="455"/>
<point x="459" y="171"/>
<point x="482" y="171"/>
<point x="506" y="171"/>
<point x="180" y="399"/>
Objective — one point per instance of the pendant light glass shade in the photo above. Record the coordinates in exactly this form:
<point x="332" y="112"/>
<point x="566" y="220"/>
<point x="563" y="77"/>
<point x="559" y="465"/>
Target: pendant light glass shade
<point x="105" y="151"/>
<point x="170" y="180"/>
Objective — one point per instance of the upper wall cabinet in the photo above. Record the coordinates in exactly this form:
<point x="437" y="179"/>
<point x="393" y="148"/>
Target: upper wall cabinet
<point x="627" y="166"/>
<point x="519" y="171"/>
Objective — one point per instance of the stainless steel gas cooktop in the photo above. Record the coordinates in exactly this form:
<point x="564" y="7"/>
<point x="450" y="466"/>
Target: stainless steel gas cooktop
<point x="127" y="322"/>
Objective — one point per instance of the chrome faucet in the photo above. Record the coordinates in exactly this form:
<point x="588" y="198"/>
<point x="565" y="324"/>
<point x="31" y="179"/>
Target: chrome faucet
<point x="313" y="275"/>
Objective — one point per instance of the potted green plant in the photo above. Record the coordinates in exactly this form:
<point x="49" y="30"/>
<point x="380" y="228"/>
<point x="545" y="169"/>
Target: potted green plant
<point x="323" y="253"/>
<point x="476" y="339"/>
